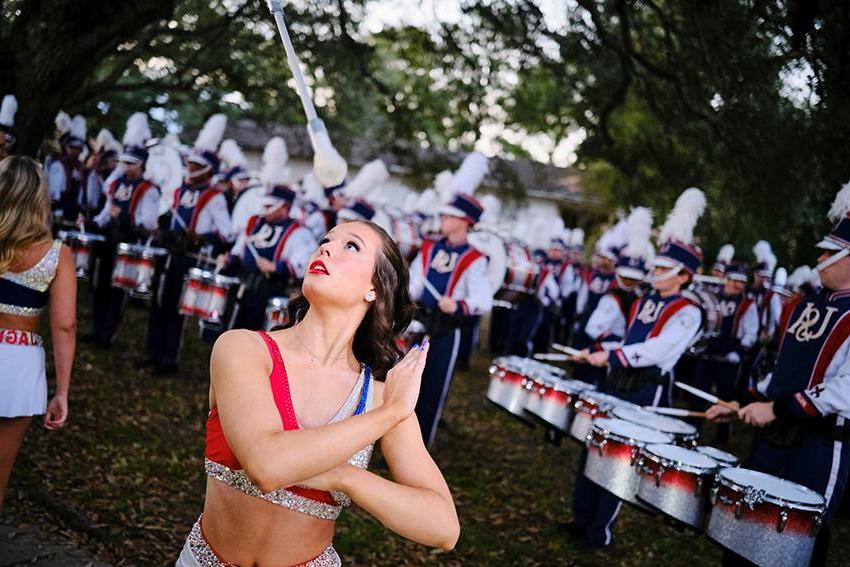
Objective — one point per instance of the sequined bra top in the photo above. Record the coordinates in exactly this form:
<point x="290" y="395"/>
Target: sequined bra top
<point x="26" y="293"/>
<point x="221" y="464"/>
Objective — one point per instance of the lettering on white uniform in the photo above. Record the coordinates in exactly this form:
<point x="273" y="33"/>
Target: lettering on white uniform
<point x="803" y="329"/>
<point x="443" y="262"/>
<point x="123" y="193"/>
<point x="727" y="308"/>
<point x="650" y="311"/>
<point x="598" y="285"/>
<point x="189" y="199"/>
<point x="266" y="237"/>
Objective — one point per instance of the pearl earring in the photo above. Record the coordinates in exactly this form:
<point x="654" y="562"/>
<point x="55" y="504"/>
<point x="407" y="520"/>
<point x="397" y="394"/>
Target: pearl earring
<point x="370" y="296"/>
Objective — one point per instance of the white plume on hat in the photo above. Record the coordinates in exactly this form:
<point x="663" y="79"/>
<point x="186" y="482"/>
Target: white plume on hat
<point x="428" y="202"/>
<point x="802" y="276"/>
<point x="615" y="237"/>
<point x="78" y="127"/>
<point x="764" y="254"/>
<point x="780" y="278"/>
<point x="683" y="218"/>
<point x="311" y="190"/>
<point x="275" y="157"/>
<point x="232" y="154"/>
<point x="138" y="130"/>
<point x="640" y="230"/>
<point x="577" y="237"/>
<point x="211" y="134"/>
<point x="492" y="209"/>
<point x="63" y="122"/>
<point x="726" y="253"/>
<point x="841" y="205"/>
<point x="470" y="174"/>
<point x="8" y="109"/>
<point x="105" y="142"/>
<point x="409" y="204"/>
<point x="443" y="183"/>
<point x="370" y="177"/>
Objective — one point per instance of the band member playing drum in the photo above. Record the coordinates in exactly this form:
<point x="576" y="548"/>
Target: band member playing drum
<point x="803" y="406"/>
<point x="720" y="364"/>
<point x="662" y="325"/>
<point x="34" y="271"/>
<point x="200" y="224"/>
<point x="131" y="212"/>
<point x="64" y="175"/>
<point x="295" y="414"/>
<point x="448" y="279"/>
<point x="271" y="254"/>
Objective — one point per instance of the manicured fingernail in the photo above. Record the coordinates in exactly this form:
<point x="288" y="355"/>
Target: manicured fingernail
<point x="425" y="344"/>
<point x="414" y="346"/>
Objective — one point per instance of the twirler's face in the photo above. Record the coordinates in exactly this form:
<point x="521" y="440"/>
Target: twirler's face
<point x="340" y="271"/>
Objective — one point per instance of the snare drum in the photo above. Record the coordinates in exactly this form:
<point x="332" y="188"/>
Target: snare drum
<point x="276" y="312"/>
<point x="509" y="385"/>
<point x="135" y="266"/>
<point x="613" y="447"/>
<point x="683" y="433"/>
<point x="81" y="244"/>
<point x="676" y="481"/>
<point x="195" y="293"/>
<point x="521" y="274"/>
<point x="219" y="298"/>
<point x="763" y="518"/>
<point x="588" y="407"/>
<point x="722" y="457"/>
<point x="551" y="400"/>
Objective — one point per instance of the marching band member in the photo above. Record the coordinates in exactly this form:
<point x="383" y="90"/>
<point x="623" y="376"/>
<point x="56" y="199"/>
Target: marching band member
<point x="718" y="270"/>
<point x="607" y="324"/>
<point x="457" y="272"/>
<point x="601" y="279"/>
<point x="314" y="203"/>
<point x="235" y="178"/>
<point x="720" y="364"/>
<point x="200" y="223"/>
<point x="662" y="325"/>
<point x="131" y="212"/>
<point x="768" y="302"/>
<point x="64" y="176"/>
<point x="803" y="423"/>
<point x="573" y="281"/>
<point x="556" y="263"/>
<point x="8" y="108"/>
<point x="272" y="252"/>
<point x="99" y="168"/>
<point x="528" y="316"/>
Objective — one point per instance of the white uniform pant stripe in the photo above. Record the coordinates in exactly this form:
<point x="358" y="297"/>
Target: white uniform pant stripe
<point x="447" y="380"/>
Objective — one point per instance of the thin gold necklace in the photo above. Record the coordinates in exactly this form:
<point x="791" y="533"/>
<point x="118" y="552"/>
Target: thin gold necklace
<point x="313" y="358"/>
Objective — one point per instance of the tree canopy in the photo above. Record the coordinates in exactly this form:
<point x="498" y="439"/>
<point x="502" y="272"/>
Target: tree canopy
<point x="746" y="99"/>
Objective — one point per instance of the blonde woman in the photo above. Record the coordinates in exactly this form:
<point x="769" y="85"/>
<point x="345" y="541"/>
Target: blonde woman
<point x="35" y="271"/>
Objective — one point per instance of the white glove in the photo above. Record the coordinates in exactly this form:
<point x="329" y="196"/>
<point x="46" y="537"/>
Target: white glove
<point x="733" y="357"/>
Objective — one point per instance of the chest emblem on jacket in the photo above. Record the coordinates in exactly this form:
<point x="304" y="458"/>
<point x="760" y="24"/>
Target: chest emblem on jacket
<point x="650" y="311"/>
<point x="811" y="324"/>
<point x="443" y="262"/>
<point x="267" y="236"/>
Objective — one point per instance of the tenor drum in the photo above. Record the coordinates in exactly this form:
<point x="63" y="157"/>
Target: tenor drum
<point x="725" y="459"/>
<point x="509" y="385"/>
<point x="613" y="447"/>
<point x="196" y="290"/>
<point x="589" y="406"/>
<point x="219" y="298"/>
<point x="683" y="433"/>
<point x="763" y="518"/>
<point x="551" y="400"/>
<point x="81" y="244"/>
<point x="520" y="276"/>
<point x="135" y="267"/>
<point x="276" y="312"/>
<point x="676" y="481"/>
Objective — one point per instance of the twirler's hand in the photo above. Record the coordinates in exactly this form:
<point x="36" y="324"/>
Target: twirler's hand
<point x="57" y="413"/>
<point x="401" y="388"/>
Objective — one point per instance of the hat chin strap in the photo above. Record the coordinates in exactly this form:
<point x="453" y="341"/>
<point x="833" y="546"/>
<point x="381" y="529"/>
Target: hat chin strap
<point x="832" y="259"/>
<point x="667" y="275"/>
<point x="622" y="285"/>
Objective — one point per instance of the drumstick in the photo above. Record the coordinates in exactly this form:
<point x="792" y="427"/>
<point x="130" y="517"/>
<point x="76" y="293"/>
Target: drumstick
<point x="567" y="350"/>
<point x="551" y="356"/>
<point x="255" y="254"/>
<point x="431" y="289"/>
<point x="675" y="411"/>
<point x="705" y="396"/>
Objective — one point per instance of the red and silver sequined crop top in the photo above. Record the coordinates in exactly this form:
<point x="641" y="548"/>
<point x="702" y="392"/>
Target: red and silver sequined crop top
<point x="222" y="465"/>
<point x="26" y="293"/>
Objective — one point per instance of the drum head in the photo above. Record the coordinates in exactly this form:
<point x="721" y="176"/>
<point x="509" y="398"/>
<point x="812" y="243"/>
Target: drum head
<point x="492" y="246"/>
<point x="774" y="486"/>
<point x="684" y="456"/>
<point x="599" y="398"/>
<point x="627" y="430"/>
<point x="655" y="421"/>
<point x="721" y="457"/>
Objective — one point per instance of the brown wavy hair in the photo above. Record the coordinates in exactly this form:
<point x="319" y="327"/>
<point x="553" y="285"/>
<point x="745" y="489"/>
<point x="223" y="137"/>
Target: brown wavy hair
<point x="24" y="209"/>
<point x="387" y="318"/>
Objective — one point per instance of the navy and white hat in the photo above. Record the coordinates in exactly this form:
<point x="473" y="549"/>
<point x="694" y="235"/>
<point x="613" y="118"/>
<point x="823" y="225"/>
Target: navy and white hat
<point x="463" y="206"/>
<point x="237" y="172"/>
<point x="205" y="151"/>
<point x="839" y="237"/>
<point x="76" y="136"/>
<point x="357" y="209"/>
<point x="134" y="154"/>
<point x="736" y="271"/>
<point x="336" y="189"/>
<point x="675" y="253"/>
<point x="613" y="240"/>
<point x="632" y="268"/>
<point x="632" y="263"/>
<point x="278" y="196"/>
<point x="136" y="136"/>
<point x="677" y="234"/>
<point x="724" y="257"/>
<point x="765" y="259"/>
<point x="237" y="164"/>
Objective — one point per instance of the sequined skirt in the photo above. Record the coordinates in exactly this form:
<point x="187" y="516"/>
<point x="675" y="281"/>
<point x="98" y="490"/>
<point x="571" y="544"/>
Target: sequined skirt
<point x="23" y="379"/>
<point x="197" y="552"/>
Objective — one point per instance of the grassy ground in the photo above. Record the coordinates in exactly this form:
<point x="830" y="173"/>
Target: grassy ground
<point x="125" y="479"/>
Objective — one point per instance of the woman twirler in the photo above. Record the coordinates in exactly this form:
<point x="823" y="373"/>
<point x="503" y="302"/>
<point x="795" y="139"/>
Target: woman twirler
<point x="295" y="414"/>
<point x="35" y="271"/>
